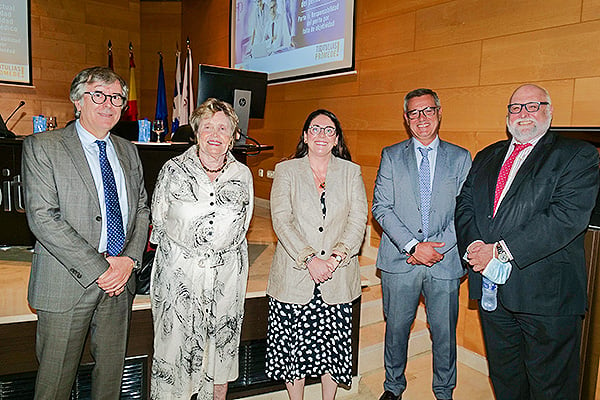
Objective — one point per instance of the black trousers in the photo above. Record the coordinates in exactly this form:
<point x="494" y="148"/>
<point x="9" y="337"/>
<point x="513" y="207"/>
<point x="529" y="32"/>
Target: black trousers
<point x="532" y="356"/>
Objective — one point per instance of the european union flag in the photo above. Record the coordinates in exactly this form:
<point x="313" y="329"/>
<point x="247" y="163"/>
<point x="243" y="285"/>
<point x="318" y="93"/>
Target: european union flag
<point x="161" y="97"/>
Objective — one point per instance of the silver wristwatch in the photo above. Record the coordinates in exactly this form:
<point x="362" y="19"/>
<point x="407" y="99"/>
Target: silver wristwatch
<point x="501" y="255"/>
<point x="136" y="264"/>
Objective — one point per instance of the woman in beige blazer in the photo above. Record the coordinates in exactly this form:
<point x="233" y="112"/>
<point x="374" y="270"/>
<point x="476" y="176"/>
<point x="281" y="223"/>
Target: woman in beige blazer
<point x="319" y="213"/>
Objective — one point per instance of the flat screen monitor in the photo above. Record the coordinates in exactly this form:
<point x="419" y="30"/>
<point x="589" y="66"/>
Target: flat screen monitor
<point x="292" y="39"/>
<point x="246" y="91"/>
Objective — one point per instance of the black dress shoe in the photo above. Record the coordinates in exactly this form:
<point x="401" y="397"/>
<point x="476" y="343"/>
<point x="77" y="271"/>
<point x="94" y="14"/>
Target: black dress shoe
<point x="387" y="395"/>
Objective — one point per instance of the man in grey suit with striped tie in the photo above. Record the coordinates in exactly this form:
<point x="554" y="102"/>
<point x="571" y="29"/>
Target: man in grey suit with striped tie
<point x="417" y="183"/>
<point x="86" y="205"/>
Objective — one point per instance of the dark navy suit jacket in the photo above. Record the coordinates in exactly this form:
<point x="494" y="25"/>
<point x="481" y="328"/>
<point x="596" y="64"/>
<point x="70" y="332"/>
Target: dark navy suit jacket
<point x="542" y="219"/>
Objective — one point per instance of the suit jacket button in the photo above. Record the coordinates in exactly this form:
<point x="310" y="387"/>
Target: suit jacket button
<point x="420" y="231"/>
<point x="320" y="229"/>
<point x="98" y="218"/>
<point x="322" y="252"/>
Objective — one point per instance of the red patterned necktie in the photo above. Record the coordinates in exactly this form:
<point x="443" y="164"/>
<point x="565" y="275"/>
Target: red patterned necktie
<point x="505" y="171"/>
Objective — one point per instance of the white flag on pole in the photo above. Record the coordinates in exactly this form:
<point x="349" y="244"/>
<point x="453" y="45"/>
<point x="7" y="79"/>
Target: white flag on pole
<point x="187" y="103"/>
<point x="176" y="118"/>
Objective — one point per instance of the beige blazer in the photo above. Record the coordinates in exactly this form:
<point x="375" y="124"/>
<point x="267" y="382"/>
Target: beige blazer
<point x="301" y="230"/>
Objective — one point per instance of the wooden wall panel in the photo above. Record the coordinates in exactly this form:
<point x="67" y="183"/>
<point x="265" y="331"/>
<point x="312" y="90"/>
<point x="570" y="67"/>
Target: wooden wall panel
<point x="369" y="144"/>
<point x="67" y="10"/>
<point x="451" y="66"/>
<point x="368" y="10"/>
<point x="585" y="102"/>
<point x="125" y="13"/>
<point x="467" y="20"/>
<point x="330" y="87"/>
<point x="373" y="38"/>
<point x="160" y="29"/>
<point x="591" y="10"/>
<point x="288" y="114"/>
<point x="484" y="107"/>
<point x="556" y="53"/>
<point x="67" y="36"/>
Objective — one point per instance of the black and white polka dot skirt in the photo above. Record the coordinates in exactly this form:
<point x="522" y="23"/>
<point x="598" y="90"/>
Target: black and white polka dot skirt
<point x="309" y="340"/>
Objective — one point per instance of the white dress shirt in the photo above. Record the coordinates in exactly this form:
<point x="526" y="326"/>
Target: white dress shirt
<point x="91" y="151"/>
<point x="432" y="155"/>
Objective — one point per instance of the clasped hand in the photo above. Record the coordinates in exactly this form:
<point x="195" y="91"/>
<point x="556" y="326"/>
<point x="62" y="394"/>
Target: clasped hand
<point x="426" y="254"/>
<point x="114" y="279"/>
<point x="321" y="270"/>
<point x="479" y="254"/>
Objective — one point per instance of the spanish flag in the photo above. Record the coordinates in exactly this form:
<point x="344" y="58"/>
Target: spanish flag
<point x="132" y="112"/>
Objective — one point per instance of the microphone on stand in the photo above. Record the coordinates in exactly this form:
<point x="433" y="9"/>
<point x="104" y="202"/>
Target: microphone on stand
<point x="21" y="104"/>
<point x="4" y="132"/>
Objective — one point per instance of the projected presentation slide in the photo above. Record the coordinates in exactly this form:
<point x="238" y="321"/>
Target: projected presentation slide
<point x="292" y="37"/>
<point x="14" y="42"/>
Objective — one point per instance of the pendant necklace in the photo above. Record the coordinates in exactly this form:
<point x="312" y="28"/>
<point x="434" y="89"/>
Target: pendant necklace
<point x="319" y="179"/>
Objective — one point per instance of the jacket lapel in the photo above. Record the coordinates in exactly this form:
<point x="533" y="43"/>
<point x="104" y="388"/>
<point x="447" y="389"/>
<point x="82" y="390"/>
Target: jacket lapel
<point x="534" y="158"/>
<point x="409" y="158"/>
<point x="125" y="163"/>
<point x="494" y="167"/>
<point x="440" y="172"/>
<point x="311" y="192"/>
<point x="71" y="141"/>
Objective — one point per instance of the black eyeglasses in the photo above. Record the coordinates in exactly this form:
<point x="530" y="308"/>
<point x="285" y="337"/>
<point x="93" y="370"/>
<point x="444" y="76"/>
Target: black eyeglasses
<point x="532" y="106"/>
<point x="99" y="98"/>
<point x="427" y="111"/>
<point x="316" y="129"/>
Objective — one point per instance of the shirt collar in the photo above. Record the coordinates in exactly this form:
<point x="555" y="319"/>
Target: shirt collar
<point x="87" y="139"/>
<point x="533" y="142"/>
<point x="433" y="145"/>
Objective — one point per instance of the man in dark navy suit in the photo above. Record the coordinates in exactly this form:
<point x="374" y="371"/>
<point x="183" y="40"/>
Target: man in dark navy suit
<point x="521" y="218"/>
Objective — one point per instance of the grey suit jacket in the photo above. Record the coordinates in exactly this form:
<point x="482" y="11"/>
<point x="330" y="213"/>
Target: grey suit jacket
<point x="63" y="212"/>
<point x="301" y="230"/>
<point x="397" y="201"/>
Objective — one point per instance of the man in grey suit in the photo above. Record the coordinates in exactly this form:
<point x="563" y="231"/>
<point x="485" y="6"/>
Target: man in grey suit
<point x="86" y="205"/>
<point x="417" y="183"/>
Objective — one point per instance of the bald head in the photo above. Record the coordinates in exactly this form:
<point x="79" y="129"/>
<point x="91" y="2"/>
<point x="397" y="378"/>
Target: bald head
<point x="531" y="89"/>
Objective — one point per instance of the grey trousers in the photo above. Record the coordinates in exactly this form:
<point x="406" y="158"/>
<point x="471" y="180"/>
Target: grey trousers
<point x="401" y="293"/>
<point x="61" y="336"/>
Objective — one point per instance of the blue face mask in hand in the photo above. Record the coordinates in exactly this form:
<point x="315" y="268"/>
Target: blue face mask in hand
<point x="497" y="272"/>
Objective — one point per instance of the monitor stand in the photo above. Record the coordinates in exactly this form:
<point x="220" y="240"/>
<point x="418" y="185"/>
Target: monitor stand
<point x="241" y="106"/>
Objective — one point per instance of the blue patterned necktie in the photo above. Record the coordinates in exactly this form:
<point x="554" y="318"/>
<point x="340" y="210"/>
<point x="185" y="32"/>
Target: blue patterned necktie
<point x="115" y="236"/>
<point x="425" y="188"/>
